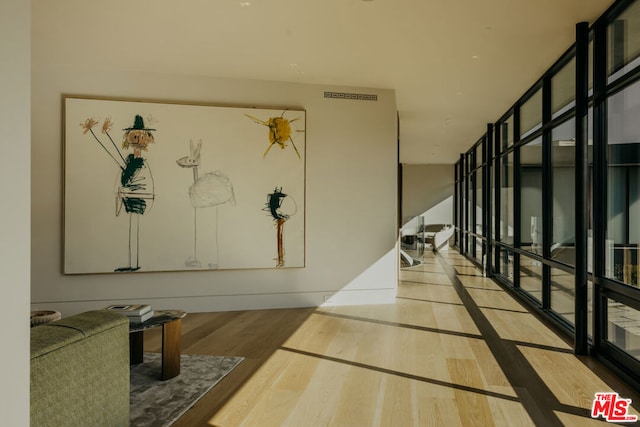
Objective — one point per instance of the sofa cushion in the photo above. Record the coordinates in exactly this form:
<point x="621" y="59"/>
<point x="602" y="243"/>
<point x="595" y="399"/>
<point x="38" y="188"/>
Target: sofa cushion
<point x="92" y="322"/>
<point x="45" y="339"/>
<point x="54" y="335"/>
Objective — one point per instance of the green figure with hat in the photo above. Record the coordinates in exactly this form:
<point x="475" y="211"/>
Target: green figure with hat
<point x="135" y="191"/>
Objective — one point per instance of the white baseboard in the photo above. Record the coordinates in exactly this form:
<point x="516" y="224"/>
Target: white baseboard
<point x="213" y="303"/>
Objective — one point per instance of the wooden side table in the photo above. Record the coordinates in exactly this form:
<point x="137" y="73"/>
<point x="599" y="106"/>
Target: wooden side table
<point x="171" y="322"/>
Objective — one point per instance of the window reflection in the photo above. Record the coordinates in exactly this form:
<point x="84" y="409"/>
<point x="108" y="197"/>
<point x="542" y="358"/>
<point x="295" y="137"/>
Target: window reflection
<point x="623" y="327"/>
<point x="479" y="195"/>
<point x="623" y="196"/>
<point x="623" y="37"/>
<point x="506" y="132"/>
<point x="506" y="264"/>
<point x="477" y="227"/>
<point x="531" y="114"/>
<point x="563" y="89"/>
<point x="562" y="294"/>
<point x="531" y="196"/>
<point x="563" y="148"/>
<point x="506" y="200"/>
<point x="531" y="277"/>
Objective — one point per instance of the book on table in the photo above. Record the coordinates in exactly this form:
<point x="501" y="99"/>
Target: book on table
<point x="137" y="313"/>
<point x="141" y="318"/>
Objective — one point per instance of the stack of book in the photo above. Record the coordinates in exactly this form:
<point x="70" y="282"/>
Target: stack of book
<point x="137" y="313"/>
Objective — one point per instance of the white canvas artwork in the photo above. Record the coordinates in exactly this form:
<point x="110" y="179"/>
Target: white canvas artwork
<point x="170" y="187"/>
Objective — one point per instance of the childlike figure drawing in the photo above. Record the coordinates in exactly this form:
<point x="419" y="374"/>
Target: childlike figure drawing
<point x="135" y="190"/>
<point x="209" y="190"/>
<point x="281" y="208"/>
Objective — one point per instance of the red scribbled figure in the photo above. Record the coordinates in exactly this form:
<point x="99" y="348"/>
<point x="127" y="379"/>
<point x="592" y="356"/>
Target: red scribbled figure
<point x="281" y="211"/>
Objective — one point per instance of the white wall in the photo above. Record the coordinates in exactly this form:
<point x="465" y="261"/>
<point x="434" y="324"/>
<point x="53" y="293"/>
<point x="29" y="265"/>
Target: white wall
<point x="15" y="187"/>
<point x="428" y="190"/>
<point x="439" y="214"/>
<point x="351" y="172"/>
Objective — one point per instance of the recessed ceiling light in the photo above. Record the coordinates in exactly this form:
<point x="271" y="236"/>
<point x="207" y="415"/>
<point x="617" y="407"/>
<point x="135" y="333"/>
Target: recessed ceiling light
<point x="245" y="3"/>
<point x="475" y="57"/>
<point x="295" y="67"/>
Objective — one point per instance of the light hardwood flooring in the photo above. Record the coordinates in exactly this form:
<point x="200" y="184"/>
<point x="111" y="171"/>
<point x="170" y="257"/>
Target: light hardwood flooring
<point x="454" y="350"/>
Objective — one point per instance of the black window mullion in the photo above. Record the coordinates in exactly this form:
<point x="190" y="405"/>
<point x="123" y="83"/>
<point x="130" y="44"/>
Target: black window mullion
<point x="487" y="198"/>
<point x="581" y="337"/>
<point x="547" y="193"/>
<point x="466" y="205"/>
<point x="474" y="195"/>
<point x="516" y="197"/>
<point x="599" y="180"/>
<point x="497" y="196"/>
<point x="455" y="204"/>
<point x="462" y="201"/>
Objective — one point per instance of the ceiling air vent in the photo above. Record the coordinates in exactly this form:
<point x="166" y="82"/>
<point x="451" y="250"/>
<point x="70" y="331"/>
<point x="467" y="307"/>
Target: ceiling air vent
<point x="352" y="96"/>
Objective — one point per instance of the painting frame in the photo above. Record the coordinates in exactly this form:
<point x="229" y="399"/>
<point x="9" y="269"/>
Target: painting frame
<point x="151" y="186"/>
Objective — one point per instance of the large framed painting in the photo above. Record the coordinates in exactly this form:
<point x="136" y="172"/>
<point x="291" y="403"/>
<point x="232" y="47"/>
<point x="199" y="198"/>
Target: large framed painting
<point x="152" y="186"/>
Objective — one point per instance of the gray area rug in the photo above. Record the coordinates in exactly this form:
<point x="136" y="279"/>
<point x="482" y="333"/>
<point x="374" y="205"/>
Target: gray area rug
<point x="160" y="403"/>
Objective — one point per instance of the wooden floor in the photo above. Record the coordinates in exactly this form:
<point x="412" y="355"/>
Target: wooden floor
<point x="454" y="350"/>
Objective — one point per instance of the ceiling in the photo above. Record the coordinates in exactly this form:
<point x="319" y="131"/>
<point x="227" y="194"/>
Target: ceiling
<point x="454" y="65"/>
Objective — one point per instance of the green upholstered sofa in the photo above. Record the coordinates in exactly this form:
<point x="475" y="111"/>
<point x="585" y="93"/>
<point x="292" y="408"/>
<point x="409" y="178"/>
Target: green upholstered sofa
<point x="80" y="371"/>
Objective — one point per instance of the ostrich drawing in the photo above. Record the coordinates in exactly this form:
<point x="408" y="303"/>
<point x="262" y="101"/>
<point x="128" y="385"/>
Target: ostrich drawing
<point x="209" y="190"/>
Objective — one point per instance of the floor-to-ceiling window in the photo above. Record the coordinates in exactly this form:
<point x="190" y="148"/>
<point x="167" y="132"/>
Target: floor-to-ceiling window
<point x="563" y="218"/>
<point x="563" y="186"/>
<point x="504" y="207"/>
<point x="473" y="171"/>
<point x="621" y="211"/>
<point x="576" y="131"/>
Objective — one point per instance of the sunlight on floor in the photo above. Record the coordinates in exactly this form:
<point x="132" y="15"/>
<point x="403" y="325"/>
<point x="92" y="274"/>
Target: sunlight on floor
<point x="443" y="354"/>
